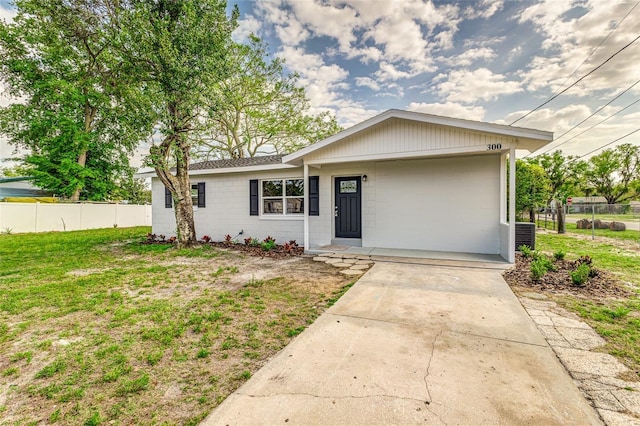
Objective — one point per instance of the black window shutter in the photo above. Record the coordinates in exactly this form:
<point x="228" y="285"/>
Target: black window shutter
<point x="201" y="199"/>
<point x="168" y="202"/>
<point x="253" y="197"/>
<point x="314" y="195"/>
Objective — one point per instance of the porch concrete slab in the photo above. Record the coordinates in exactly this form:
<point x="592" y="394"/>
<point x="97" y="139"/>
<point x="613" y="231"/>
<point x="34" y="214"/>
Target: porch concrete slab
<point x="376" y="358"/>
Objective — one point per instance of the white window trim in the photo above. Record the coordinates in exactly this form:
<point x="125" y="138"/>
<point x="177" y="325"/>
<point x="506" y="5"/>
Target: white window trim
<point x="284" y="215"/>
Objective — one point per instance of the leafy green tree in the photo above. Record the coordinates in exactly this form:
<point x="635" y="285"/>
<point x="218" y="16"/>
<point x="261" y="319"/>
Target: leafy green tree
<point x="74" y="113"/>
<point x="565" y="175"/>
<point x="532" y="188"/>
<point x="260" y="109"/>
<point x="615" y="173"/>
<point x="179" y="50"/>
<point x="131" y="189"/>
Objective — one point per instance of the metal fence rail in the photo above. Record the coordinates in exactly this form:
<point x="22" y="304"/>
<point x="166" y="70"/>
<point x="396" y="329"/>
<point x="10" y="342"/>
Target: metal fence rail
<point x="601" y="215"/>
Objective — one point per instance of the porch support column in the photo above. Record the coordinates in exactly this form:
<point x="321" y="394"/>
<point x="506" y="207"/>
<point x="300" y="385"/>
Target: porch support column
<point x="503" y="188"/>
<point x="306" y="207"/>
<point x="512" y="205"/>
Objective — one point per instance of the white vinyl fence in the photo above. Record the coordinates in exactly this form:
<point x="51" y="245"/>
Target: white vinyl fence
<point x="43" y="217"/>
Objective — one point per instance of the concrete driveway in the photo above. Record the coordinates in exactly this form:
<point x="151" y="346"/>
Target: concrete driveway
<point x="414" y="344"/>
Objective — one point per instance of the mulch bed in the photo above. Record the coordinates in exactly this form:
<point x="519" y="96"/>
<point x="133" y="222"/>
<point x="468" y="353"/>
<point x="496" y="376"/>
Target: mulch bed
<point x="277" y="252"/>
<point x="603" y="285"/>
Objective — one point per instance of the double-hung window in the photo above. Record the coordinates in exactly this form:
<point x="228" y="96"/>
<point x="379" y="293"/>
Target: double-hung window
<point x="282" y="196"/>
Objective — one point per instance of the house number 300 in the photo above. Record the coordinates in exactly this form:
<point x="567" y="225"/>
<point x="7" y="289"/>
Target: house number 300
<point x="494" y="146"/>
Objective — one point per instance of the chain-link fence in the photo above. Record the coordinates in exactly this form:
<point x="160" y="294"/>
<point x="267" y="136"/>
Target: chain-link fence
<point x="598" y="219"/>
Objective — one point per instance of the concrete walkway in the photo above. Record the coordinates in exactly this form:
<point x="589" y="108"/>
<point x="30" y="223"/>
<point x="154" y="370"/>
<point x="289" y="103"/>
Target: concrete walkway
<point x="414" y="344"/>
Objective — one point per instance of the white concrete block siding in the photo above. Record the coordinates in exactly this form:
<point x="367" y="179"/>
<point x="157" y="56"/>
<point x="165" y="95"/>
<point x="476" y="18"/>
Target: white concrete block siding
<point x="227" y="209"/>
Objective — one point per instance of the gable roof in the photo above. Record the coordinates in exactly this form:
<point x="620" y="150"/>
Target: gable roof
<point x="237" y="162"/>
<point x="530" y="139"/>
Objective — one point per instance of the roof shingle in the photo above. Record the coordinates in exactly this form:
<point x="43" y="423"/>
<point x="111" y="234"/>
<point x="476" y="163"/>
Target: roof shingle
<point x="237" y="162"/>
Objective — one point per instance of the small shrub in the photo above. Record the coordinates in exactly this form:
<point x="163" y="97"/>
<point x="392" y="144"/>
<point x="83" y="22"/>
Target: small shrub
<point x="268" y="244"/>
<point x="269" y="239"/>
<point x="293" y="243"/>
<point x="152" y="238"/>
<point x="206" y="238"/>
<point x="255" y="242"/>
<point x="162" y="238"/>
<point x="538" y="270"/>
<point x="526" y="251"/>
<point x="580" y="275"/>
<point x="559" y="255"/>
<point x="228" y="239"/>
<point x="172" y="240"/>
<point x="247" y="241"/>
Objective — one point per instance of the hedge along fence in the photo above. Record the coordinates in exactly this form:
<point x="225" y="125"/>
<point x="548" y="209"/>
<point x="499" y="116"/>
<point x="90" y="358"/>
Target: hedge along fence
<point x="42" y="217"/>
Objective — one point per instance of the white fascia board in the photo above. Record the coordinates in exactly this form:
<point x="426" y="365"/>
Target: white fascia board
<point x="499" y="129"/>
<point x="263" y="167"/>
<point x="448" y="152"/>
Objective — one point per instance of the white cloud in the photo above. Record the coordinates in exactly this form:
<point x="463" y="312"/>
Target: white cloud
<point x="449" y="109"/>
<point x="470" y="56"/>
<point x="483" y="9"/>
<point x="574" y="40"/>
<point x="470" y="86"/>
<point x="246" y="27"/>
<point x="7" y="14"/>
<point x="367" y="82"/>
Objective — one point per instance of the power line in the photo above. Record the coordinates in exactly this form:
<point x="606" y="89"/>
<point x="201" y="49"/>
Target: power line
<point x="596" y="112"/>
<point x="576" y="82"/>
<point x="603" y="146"/>
<point x="599" y="44"/>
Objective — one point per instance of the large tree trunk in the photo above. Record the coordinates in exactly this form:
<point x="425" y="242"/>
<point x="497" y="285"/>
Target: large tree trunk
<point x="179" y="184"/>
<point x="562" y="225"/>
<point x="82" y="160"/>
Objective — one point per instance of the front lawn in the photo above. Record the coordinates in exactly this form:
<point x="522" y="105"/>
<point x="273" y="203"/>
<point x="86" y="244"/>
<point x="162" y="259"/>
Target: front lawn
<point x="96" y="328"/>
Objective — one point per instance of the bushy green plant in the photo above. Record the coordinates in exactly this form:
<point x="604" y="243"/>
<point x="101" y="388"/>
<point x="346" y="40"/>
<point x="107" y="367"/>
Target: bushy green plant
<point x="268" y="244"/>
<point x="559" y="255"/>
<point x="580" y="275"/>
<point x="538" y="270"/>
<point x="548" y="264"/>
<point x="540" y="265"/>
<point x="526" y="251"/>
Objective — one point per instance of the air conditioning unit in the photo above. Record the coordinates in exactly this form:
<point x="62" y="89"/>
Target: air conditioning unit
<point x="526" y="235"/>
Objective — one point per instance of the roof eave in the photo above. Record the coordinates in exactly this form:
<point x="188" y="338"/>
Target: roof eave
<point x="221" y="170"/>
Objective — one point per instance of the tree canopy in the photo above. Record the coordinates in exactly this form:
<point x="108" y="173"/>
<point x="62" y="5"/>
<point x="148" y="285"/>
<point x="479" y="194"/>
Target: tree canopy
<point x="260" y="109"/>
<point x="615" y="173"/>
<point x="178" y="50"/>
<point x="74" y="114"/>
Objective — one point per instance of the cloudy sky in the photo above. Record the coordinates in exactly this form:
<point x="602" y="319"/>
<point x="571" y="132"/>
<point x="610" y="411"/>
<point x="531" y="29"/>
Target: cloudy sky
<point x="483" y="60"/>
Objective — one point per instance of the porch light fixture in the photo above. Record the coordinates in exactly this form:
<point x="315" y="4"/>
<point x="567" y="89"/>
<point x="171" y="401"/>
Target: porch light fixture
<point x="364" y="178"/>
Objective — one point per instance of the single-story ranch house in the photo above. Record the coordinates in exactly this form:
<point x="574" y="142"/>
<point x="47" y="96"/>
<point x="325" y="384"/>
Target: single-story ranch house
<point x="398" y="180"/>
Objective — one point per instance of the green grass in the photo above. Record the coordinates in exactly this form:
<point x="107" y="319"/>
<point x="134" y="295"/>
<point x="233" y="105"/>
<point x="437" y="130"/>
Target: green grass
<point x="98" y="326"/>
<point x="607" y="255"/>
<point x="618" y="321"/>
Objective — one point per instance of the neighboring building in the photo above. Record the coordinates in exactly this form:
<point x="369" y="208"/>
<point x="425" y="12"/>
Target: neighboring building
<point x="20" y="187"/>
<point x="398" y="180"/>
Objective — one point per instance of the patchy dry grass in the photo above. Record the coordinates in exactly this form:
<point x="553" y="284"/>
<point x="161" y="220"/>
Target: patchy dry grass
<point x="97" y="328"/>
